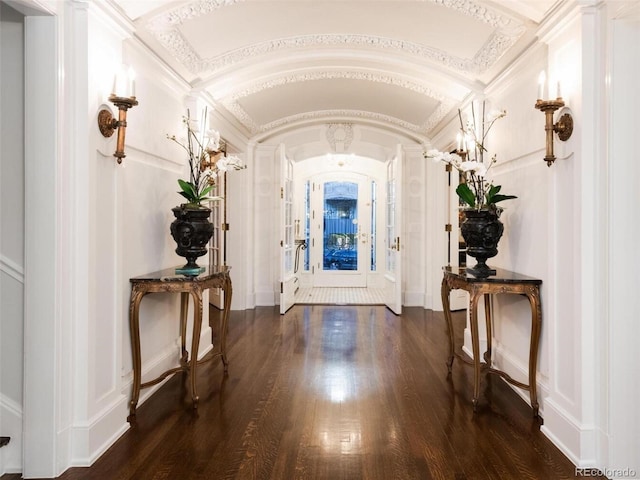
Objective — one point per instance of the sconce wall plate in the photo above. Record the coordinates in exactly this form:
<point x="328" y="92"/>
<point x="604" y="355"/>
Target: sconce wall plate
<point x="105" y="123"/>
<point x="563" y="127"/>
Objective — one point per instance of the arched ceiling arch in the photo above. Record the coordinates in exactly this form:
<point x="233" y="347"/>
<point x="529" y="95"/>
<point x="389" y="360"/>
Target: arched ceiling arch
<point x="406" y="64"/>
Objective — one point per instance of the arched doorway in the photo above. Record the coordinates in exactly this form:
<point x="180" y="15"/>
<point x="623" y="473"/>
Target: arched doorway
<point x="338" y="214"/>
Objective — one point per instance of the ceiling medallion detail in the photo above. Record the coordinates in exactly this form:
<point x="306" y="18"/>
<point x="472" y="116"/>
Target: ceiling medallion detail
<point x="340" y="133"/>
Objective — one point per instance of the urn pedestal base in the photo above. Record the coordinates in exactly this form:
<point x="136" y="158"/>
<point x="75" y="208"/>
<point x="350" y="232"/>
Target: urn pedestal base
<point x="191" y="230"/>
<point x="481" y="230"/>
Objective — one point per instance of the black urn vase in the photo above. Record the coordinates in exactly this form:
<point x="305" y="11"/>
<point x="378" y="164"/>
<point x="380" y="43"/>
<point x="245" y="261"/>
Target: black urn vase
<point x="191" y="230"/>
<point x="481" y="230"/>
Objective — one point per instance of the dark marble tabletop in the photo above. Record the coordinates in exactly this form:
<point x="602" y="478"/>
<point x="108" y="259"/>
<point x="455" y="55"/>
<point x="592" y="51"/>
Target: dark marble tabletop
<point x="501" y="276"/>
<point x="170" y="275"/>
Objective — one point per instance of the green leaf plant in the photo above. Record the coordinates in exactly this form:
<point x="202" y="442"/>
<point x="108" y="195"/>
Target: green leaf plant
<point x="206" y="162"/>
<point x="475" y="190"/>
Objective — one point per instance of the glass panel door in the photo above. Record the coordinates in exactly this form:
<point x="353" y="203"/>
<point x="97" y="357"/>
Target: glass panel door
<point x="340" y="231"/>
<point x="340" y="237"/>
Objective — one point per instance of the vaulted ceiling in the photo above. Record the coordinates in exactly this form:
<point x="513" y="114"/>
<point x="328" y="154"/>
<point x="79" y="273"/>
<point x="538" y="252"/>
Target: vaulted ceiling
<point x="402" y="64"/>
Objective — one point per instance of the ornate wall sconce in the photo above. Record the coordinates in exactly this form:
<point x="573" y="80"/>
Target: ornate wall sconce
<point x="563" y="127"/>
<point x="124" y="98"/>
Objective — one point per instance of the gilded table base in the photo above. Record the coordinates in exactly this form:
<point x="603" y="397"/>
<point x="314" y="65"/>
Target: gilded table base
<point x="483" y="288"/>
<point x="164" y="281"/>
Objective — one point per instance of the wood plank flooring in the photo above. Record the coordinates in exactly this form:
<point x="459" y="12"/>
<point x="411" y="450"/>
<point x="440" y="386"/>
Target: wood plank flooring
<point x="333" y="392"/>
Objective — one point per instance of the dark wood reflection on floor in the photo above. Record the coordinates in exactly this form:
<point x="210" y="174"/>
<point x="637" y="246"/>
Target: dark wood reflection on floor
<point x="334" y="392"/>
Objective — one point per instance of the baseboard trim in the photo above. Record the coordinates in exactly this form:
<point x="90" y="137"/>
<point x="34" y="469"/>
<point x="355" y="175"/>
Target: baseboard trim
<point x="576" y="441"/>
<point x="414" y="299"/>
<point x="265" y="299"/>
<point x="91" y="439"/>
<point x="11" y="414"/>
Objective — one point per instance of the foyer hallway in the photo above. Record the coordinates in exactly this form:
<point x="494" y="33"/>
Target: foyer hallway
<point x="333" y="392"/>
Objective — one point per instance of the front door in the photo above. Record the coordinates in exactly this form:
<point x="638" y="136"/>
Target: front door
<point x="341" y="226"/>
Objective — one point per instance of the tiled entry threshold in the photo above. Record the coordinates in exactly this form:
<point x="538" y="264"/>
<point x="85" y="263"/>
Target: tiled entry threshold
<point x="340" y="296"/>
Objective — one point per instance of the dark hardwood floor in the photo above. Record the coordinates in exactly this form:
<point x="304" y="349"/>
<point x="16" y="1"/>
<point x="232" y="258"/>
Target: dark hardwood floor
<point x="333" y="392"/>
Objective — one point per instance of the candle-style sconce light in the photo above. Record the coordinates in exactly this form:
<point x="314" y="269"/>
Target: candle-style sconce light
<point x="123" y="96"/>
<point x="563" y="127"/>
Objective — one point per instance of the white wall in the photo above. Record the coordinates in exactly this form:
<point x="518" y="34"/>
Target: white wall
<point x="11" y="234"/>
<point x="622" y="331"/>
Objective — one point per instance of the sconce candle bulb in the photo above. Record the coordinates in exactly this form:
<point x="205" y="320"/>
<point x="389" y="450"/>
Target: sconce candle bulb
<point x="563" y="127"/>
<point x="123" y="97"/>
<point x="542" y="79"/>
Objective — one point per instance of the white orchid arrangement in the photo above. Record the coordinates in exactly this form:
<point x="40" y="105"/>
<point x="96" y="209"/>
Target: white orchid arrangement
<point x="206" y="161"/>
<point x="475" y="189"/>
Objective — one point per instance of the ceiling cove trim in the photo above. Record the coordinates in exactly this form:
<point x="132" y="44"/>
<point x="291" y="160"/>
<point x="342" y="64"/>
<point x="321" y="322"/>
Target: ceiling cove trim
<point x="198" y="8"/>
<point x="329" y="117"/>
<point x="495" y="47"/>
<point x="485" y="58"/>
<point x="165" y="28"/>
<point x="341" y="114"/>
<point x="339" y="74"/>
<point x="189" y="11"/>
<point x="445" y="104"/>
<point x="323" y="116"/>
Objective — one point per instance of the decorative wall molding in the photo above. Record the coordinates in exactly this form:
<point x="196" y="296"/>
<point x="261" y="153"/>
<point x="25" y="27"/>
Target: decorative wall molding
<point x="9" y="405"/>
<point x="12" y="269"/>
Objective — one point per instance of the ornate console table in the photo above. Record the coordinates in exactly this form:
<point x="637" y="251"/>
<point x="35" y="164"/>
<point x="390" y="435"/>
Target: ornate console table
<point x="169" y="281"/>
<point x="505" y="282"/>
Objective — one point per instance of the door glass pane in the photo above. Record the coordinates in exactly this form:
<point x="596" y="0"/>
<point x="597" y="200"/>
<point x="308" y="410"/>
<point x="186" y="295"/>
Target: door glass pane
<point x="391" y="221"/>
<point x="340" y="246"/>
<point x="288" y="227"/>
<point x="307" y="222"/>
<point x="372" y="234"/>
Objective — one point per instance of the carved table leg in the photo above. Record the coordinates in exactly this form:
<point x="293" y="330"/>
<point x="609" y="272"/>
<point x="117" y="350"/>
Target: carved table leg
<point x="536" y="324"/>
<point x="444" y="291"/>
<point x="184" y="307"/>
<point x="489" y="323"/>
<point x="134" y="329"/>
<point x="228" y="292"/>
<point x="475" y="341"/>
<point x="195" y="343"/>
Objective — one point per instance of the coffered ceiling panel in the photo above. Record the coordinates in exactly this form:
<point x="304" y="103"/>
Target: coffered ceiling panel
<point x="406" y="64"/>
